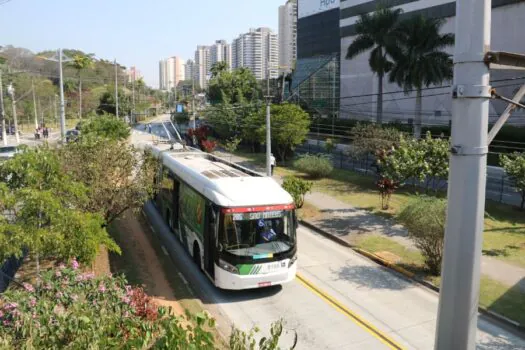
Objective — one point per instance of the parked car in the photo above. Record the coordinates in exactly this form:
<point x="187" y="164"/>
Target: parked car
<point x="7" y="152"/>
<point x="72" y="135"/>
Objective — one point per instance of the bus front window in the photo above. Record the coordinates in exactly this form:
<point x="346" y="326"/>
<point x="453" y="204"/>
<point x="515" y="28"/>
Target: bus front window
<point x="257" y="233"/>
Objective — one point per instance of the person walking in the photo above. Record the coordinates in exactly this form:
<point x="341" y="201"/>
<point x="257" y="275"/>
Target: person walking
<point x="272" y="163"/>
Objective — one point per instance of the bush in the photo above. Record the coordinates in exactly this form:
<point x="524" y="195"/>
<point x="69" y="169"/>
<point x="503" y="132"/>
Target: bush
<point x="75" y="310"/>
<point x="106" y="126"/>
<point x="372" y="138"/>
<point x="297" y="188"/>
<point x="329" y="145"/>
<point x="424" y="218"/>
<point x="317" y="166"/>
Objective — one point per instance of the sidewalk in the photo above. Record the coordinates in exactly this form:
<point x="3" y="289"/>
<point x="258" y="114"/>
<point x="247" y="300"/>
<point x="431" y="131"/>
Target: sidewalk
<point x="348" y="223"/>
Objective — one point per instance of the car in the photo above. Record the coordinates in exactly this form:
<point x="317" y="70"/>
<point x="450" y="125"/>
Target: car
<point x="7" y="152"/>
<point x="72" y="135"/>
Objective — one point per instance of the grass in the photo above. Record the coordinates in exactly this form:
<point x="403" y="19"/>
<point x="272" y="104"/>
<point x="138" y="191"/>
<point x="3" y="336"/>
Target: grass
<point x="497" y="297"/>
<point x="308" y="211"/>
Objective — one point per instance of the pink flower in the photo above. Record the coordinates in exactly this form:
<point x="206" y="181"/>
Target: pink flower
<point x="94" y="302"/>
<point x="75" y="264"/>
<point x="10" y="306"/>
<point x="6" y="323"/>
<point x="126" y="314"/>
<point x="47" y="286"/>
<point x="59" y="295"/>
<point x="79" y="278"/>
<point x="1" y="314"/>
<point x="18" y="324"/>
<point x="32" y="302"/>
<point x="28" y="287"/>
<point x="88" y="276"/>
<point x="61" y="266"/>
<point x="101" y="288"/>
<point x="58" y="273"/>
<point x="126" y="300"/>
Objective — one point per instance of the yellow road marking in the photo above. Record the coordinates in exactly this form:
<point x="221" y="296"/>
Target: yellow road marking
<point x="352" y="315"/>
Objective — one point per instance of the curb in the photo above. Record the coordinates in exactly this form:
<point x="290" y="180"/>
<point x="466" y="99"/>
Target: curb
<point x="497" y="318"/>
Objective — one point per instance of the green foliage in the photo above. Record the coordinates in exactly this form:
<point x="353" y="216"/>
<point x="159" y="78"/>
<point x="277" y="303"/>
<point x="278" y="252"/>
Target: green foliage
<point x="224" y="120"/>
<point x="297" y="188"/>
<point x="107" y="102"/>
<point x="237" y="86"/>
<point x="514" y="165"/>
<point x="317" y="166"/>
<point x="118" y="176"/>
<point x="231" y="145"/>
<point x="42" y="210"/>
<point x="424" y="218"/>
<point x="75" y="310"/>
<point x="289" y="127"/>
<point x="106" y="126"/>
<point x="329" y="145"/>
<point x="372" y="138"/>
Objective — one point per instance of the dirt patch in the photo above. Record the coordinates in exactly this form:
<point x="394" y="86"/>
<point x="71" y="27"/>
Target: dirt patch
<point x="308" y="212"/>
<point x="101" y="265"/>
<point x="146" y="265"/>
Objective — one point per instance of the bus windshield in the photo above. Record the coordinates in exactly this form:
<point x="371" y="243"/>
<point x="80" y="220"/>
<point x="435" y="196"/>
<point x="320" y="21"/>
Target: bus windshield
<point x="257" y="234"/>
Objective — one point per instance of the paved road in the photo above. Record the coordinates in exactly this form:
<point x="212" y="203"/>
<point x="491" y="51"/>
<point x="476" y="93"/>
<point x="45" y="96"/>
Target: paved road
<point x="340" y="300"/>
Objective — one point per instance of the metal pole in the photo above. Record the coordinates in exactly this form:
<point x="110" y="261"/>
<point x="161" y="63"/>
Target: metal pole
<point x="458" y="300"/>
<point x="333" y="100"/>
<point x="34" y="103"/>
<point x="15" y="118"/>
<point x="55" y="108"/>
<point x="62" y="106"/>
<point x="116" y="89"/>
<point x="133" y="90"/>
<point x="268" y="126"/>
<point x="2" y="111"/>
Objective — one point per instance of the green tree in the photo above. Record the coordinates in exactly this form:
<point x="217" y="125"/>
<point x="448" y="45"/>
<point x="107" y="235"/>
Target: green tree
<point x="371" y="138"/>
<point x="118" y="176"/>
<point x="236" y="87"/>
<point x="290" y="125"/>
<point x="514" y="165"/>
<point x="376" y="31"/>
<point x="42" y="210"/>
<point x="105" y="126"/>
<point x="107" y="102"/>
<point x="419" y="59"/>
<point x="231" y="145"/>
<point x="218" y="68"/>
<point x="424" y="218"/>
<point x="297" y="188"/>
<point x="81" y="63"/>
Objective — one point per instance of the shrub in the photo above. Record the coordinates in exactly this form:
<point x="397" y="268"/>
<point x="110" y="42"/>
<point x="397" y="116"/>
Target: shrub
<point x="424" y="218"/>
<point x="329" y="145"/>
<point x="371" y="138"/>
<point x="75" y="310"/>
<point x="316" y="166"/>
<point x="208" y="145"/>
<point x="297" y="188"/>
<point x="106" y="126"/>
<point x="514" y="165"/>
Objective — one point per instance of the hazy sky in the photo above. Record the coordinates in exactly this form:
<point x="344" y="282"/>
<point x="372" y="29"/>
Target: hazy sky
<point x="135" y="32"/>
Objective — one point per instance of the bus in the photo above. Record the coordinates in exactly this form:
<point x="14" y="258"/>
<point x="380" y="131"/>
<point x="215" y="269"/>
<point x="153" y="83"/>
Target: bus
<point x="238" y="226"/>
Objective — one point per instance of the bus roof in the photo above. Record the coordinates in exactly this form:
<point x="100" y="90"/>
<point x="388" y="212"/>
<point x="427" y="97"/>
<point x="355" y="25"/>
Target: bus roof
<point x="224" y="183"/>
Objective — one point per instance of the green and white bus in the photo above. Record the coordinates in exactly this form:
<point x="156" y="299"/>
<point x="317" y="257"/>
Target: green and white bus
<point x="239" y="226"/>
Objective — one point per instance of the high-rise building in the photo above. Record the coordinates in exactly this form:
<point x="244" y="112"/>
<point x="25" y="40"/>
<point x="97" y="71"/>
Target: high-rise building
<point x="287" y="35"/>
<point x="221" y="51"/>
<point x="189" y="70"/>
<point x="133" y="74"/>
<point x="202" y="65"/>
<point x="171" y="71"/>
<point x="257" y="50"/>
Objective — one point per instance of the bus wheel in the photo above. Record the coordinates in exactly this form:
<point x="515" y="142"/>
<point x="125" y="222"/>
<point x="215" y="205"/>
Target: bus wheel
<point x="197" y="255"/>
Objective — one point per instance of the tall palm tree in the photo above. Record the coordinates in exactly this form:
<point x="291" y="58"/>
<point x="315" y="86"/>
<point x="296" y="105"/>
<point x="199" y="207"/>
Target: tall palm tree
<point x="378" y="32"/>
<point x="81" y="63"/>
<point x="419" y="59"/>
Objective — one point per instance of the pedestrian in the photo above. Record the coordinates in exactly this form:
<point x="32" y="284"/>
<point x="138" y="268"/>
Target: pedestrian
<point x="272" y="163"/>
<point x="46" y="133"/>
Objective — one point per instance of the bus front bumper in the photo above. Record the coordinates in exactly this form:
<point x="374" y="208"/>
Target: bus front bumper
<point x="228" y="280"/>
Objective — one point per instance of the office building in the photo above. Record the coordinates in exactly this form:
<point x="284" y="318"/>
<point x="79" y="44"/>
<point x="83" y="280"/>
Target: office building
<point x="163" y="78"/>
<point x="189" y="70"/>
<point x="221" y="51"/>
<point x="171" y="71"/>
<point x="202" y="65"/>
<point x="257" y="50"/>
<point x="287" y="36"/>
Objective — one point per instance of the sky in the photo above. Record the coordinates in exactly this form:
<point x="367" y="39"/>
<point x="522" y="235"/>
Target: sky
<point x="134" y="32"/>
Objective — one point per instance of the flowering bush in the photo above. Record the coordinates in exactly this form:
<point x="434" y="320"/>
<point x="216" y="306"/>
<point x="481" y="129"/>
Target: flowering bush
<point x="74" y="309"/>
<point x="208" y="145"/>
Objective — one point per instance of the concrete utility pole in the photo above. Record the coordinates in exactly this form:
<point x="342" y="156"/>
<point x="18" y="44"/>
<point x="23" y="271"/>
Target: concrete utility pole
<point x="62" y="105"/>
<point x="458" y="301"/>
<point x="2" y="111"/>
<point x="133" y="90"/>
<point x="11" y="91"/>
<point x="268" y="126"/>
<point x="34" y="103"/>
<point x="116" y="88"/>
<point x="55" y="107"/>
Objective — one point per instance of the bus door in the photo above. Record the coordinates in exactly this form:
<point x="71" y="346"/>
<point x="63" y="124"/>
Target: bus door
<point x="175" y="205"/>
<point x="209" y="239"/>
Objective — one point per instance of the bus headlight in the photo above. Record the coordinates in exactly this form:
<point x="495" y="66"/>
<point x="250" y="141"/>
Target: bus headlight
<point x="292" y="260"/>
<point x="228" y="267"/>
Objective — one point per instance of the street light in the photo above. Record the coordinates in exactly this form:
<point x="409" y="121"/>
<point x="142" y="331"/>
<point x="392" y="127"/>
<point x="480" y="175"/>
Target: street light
<point x="11" y="92"/>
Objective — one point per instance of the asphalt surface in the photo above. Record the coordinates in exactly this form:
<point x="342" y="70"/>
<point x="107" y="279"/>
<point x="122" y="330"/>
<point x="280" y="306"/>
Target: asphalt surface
<point x="340" y="300"/>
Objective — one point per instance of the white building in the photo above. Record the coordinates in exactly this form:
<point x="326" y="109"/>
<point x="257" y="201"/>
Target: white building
<point x="287" y="35"/>
<point x="221" y="51"/>
<point x="202" y="65"/>
<point x="359" y="86"/>
<point x="171" y="71"/>
<point x="257" y="50"/>
<point x="189" y="70"/>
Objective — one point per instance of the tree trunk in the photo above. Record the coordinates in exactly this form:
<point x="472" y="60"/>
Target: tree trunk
<point x="79" y="97"/>
<point x="380" y="99"/>
<point x="418" y="116"/>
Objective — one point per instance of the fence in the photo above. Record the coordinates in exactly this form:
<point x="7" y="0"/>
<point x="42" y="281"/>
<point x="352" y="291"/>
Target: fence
<point x="500" y="187"/>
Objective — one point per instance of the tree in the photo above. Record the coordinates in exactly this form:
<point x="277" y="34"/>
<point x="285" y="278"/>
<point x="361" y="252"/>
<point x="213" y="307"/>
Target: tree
<point x="217" y="68"/>
<point x="105" y="126"/>
<point x="297" y="188"/>
<point x="42" y="210"/>
<point x="108" y="105"/>
<point x="290" y="125"/>
<point x="424" y="218"/>
<point x="231" y="145"/>
<point x="514" y="165"/>
<point x="117" y="175"/>
<point x="236" y="87"/>
<point x="81" y="63"/>
<point x="372" y="138"/>
<point x="419" y="59"/>
<point x="377" y="32"/>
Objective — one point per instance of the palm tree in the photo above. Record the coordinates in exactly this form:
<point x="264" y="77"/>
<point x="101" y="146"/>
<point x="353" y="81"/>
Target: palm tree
<point x="419" y="59"/>
<point x="80" y="63"/>
<point x="377" y="32"/>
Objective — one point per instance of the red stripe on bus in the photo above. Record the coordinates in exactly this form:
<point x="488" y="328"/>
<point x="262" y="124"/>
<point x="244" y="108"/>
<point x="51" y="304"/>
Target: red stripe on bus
<point x="255" y="209"/>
